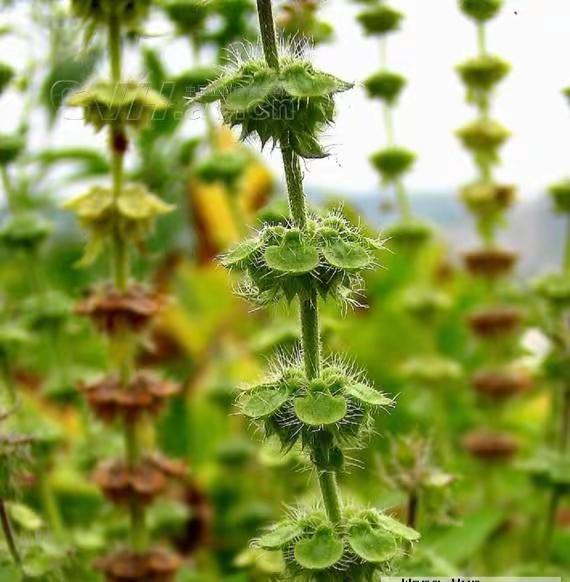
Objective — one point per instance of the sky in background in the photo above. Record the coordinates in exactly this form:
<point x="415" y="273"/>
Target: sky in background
<point x="534" y="35"/>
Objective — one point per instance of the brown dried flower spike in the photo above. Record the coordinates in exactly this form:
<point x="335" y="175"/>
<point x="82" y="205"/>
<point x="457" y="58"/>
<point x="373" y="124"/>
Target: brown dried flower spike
<point x="490" y="447"/>
<point x="122" y="484"/>
<point x="501" y="384"/>
<point x="495" y="322"/>
<point x="114" y="311"/>
<point x="145" y="394"/>
<point x="490" y="263"/>
<point x="156" y="565"/>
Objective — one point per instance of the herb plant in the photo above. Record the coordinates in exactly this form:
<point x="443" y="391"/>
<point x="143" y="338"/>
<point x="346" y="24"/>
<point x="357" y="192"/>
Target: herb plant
<point x="322" y="405"/>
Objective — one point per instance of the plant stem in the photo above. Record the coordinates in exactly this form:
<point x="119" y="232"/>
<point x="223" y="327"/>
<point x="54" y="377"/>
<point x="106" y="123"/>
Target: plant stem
<point x="267" y="28"/>
<point x="119" y="144"/>
<point x="482" y="39"/>
<point x="331" y="497"/>
<point x="49" y="504"/>
<point x="551" y="514"/>
<point x="308" y="306"/>
<point x="9" y="534"/>
<point x="567" y="248"/>
<point x="403" y="200"/>
<point x="8" y="188"/>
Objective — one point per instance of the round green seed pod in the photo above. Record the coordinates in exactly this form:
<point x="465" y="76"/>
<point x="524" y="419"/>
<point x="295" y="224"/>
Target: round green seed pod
<point x="385" y="85"/>
<point x="380" y="19"/>
<point x="11" y="146"/>
<point x="188" y="16"/>
<point x="6" y="76"/>
<point x="481" y="10"/>
<point x="484" y="72"/>
<point x="129" y="12"/>
<point x="560" y="194"/>
<point x="393" y="162"/>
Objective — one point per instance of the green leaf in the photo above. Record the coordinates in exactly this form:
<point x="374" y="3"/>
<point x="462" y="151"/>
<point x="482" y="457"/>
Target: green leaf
<point x="319" y="409"/>
<point x="368" y="395"/>
<point x="263" y="401"/>
<point x="319" y="552"/>
<point x="397" y="528"/>
<point x="346" y="255"/>
<point x="302" y="83"/>
<point x="293" y="255"/>
<point x="25" y="517"/>
<point x="282" y="534"/>
<point x="371" y="544"/>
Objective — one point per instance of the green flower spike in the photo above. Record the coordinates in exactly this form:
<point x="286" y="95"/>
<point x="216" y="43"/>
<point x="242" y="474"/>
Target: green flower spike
<point x="189" y="16"/>
<point x="481" y="10"/>
<point x="560" y="193"/>
<point x="484" y="72"/>
<point x="380" y="19"/>
<point x="131" y="215"/>
<point x="284" y="262"/>
<point x="296" y="102"/>
<point x="365" y="542"/>
<point x="6" y="76"/>
<point x="11" y="146"/>
<point x="385" y="85"/>
<point x="129" y="12"/>
<point x="484" y="137"/>
<point x="393" y="162"/>
<point x="336" y="408"/>
<point x="24" y="232"/>
<point x="130" y="103"/>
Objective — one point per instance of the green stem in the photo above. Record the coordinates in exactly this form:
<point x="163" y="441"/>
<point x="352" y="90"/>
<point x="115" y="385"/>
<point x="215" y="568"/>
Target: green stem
<point x="331" y="497"/>
<point x="267" y="28"/>
<point x="403" y="200"/>
<point x="49" y="504"/>
<point x="9" y="534"/>
<point x="115" y="47"/>
<point x="294" y="178"/>
<point x="389" y="125"/>
<point x="551" y="514"/>
<point x="567" y="248"/>
<point x="482" y="38"/>
<point x="311" y="335"/>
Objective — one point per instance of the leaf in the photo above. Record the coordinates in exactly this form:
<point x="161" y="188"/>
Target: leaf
<point x="319" y="408"/>
<point x="280" y="535"/>
<point x="293" y="255"/>
<point x="264" y="400"/>
<point x="397" y="528"/>
<point x="371" y="544"/>
<point x="25" y="517"/>
<point x="319" y="552"/>
<point x="368" y="395"/>
<point x="300" y="82"/>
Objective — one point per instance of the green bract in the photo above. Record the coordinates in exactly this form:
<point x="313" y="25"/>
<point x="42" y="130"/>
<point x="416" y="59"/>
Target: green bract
<point x="24" y="232"/>
<point x="484" y="137"/>
<point x="365" y="542"/>
<point x="380" y="19"/>
<point x="285" y="262"/>
<point x="11" y="147"/>
<point x="106" y="103"/>
<point x="560" y="193"/>
<point x="408" y="234"/>
<point x="6" y="75"/>
<point x="385" y="85"/>
<point x="129" y="12"/>
<point x="393" y="162"/>
<point x="188" y="15"/>
<point x="481" y="10"/>
<point x="295" y="103"/>
<point x="334" y="409"/>
<point x="482" y="73"/>
<point x="130" y="216"/>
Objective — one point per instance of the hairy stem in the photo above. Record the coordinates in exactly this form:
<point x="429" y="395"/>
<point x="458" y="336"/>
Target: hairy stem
<point x="311" y="336"/>
<point x="267" y="28"/>
<point x="331" y="497"/>
<point x="9" y="533"/>
<point x="294" y="177"/>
